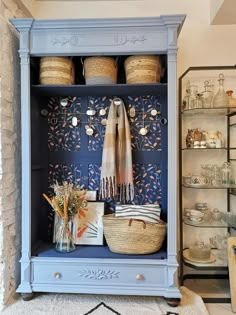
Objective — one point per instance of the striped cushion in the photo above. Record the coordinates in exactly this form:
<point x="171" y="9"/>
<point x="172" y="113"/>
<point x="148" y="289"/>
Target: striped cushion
<point x="150" y="213"/>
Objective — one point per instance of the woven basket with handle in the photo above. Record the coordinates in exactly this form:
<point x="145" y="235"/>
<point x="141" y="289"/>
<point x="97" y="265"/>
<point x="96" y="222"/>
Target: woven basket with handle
<point x="56" y="70"/>
<point x="143" y="69"/>
<point x="100" y="70"/>
<point x="131" y="236"/>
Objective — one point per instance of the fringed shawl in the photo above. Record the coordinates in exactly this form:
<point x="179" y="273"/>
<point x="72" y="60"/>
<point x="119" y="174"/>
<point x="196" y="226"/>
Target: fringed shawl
<point x="117" y="171"/>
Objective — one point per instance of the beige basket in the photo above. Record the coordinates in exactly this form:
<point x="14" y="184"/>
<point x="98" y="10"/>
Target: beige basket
<point x="100" y="70"/>
<point x="130" y="236"/>
<point x="56" y="70"/>
<point x="143" y="69"/>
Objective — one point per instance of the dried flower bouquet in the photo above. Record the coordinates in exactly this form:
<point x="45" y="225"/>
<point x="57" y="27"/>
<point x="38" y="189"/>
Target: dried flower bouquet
<point x="68" y="200"/>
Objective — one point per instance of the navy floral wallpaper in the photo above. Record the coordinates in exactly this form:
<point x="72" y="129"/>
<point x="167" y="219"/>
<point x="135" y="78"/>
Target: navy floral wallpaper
<point x="64" y="137"/>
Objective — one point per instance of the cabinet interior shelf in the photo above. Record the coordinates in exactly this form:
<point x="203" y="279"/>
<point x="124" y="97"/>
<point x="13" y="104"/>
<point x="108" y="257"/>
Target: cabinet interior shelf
<point x="210" y="111"/>
<point x="99" y="90"/>
<point x="93" y="251"/>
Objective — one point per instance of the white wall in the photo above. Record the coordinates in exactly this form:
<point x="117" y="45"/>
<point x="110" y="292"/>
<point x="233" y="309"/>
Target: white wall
<point x="199" y="43"/>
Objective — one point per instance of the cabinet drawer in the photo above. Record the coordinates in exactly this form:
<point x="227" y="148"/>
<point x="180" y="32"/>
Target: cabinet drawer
<point x="75" y="273"/>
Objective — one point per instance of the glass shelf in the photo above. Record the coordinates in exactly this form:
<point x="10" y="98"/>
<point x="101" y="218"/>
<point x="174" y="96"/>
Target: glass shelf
<point x="207" y="224"/>
<point x="209" y="187"/>
<point x="202" y="149"/>
<point x="210" y="111"/>
<point x="219" y="263"/>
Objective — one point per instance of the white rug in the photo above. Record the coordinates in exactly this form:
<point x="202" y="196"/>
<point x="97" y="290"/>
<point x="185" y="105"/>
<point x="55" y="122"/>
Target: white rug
<point x="79" y="304"/>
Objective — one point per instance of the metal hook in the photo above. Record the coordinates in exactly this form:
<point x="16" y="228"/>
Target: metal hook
<point x="117" y="101"/>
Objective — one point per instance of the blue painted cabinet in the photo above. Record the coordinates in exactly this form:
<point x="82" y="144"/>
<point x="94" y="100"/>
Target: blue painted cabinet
<point x="54" y="149"/>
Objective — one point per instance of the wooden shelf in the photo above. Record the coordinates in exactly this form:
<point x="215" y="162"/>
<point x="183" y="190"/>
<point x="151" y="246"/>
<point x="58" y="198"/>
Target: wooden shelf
<point x="99" y="90"/>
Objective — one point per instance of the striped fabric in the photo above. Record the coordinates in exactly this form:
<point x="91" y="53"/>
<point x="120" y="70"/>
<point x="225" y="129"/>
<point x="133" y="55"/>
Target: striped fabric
<point x="149" y="213"/>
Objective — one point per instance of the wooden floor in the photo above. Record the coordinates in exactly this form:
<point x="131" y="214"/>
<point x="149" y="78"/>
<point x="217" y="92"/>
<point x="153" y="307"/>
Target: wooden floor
<point x="219" y="309"/>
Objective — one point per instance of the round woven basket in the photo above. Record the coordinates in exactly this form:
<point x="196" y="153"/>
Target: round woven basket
<point x="143" y="69"/>
<point x="56" y="70"/>
<point x="130" y="236"/>
<point x="100" y="70"/>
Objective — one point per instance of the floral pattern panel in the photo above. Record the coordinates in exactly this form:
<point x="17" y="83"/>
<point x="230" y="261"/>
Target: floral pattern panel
<point x="147" y="111"/>
<point x="101" y="106"/>
<point x="94" y="171"/>
<point x="62" y="135"/>
<point x="65" y="172"/>
<point x="147" y="184"/>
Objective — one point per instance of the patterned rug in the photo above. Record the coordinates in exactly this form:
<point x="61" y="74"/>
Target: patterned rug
<point x="80" y="304"/>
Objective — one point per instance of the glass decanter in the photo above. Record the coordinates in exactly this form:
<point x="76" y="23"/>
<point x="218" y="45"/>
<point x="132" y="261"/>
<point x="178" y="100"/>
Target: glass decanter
<point x="207" y="95"/>
<point x="221" y="98"/>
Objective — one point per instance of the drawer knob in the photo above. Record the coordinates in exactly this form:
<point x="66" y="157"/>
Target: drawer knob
<point x="139" y="277"/>
<point x="57" y="275"/>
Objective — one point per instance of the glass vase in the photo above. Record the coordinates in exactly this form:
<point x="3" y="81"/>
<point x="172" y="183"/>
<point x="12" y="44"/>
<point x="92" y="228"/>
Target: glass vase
<point x="64" y="236"/>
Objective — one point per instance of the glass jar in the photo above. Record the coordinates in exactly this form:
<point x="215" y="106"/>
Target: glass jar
<point x="64" y="235"/>
<point x="207" y="95"/>
<point x="216" y="214"/>
<point x="221" y="98"/>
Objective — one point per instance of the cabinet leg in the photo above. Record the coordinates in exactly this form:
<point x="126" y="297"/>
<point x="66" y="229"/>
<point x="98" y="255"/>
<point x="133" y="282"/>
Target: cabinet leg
<point x="174" y="302"/>
<point x="27" y="296"/>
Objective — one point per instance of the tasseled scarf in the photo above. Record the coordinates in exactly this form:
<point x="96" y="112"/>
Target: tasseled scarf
<point x="117" y="171"/>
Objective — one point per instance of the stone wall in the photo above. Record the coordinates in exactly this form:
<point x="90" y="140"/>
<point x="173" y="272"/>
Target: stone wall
<point x="10" y="156"/>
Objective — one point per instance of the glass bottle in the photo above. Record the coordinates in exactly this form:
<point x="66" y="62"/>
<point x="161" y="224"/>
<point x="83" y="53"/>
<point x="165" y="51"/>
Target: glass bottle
<point x="228" y="174"/>
<point x="231" y="99"/>
<point x="207" y="95"/>
<point x="185" y="102"/>
<point x="193" y="96"/>
<point x="221" y="98"/>
<point x="199" y="100"/>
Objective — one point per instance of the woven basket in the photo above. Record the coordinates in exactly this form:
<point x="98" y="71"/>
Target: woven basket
<point x="143" y="69"/>
<point x="56" y="70"/>
<point x="130" y="236"/>
<point x="100" y="70"/>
